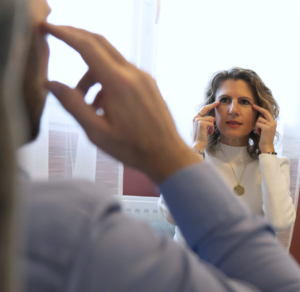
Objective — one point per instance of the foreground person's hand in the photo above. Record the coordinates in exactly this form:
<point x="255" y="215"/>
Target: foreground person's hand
<point x="137" y="128"/>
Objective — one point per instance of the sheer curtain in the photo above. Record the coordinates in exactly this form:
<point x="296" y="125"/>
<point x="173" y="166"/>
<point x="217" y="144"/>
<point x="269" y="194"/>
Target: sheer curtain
<point x="198" y="38"/>
<point x="62" y="149"/>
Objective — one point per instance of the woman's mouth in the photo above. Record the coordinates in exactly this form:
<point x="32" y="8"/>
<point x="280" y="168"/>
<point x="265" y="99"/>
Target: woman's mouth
<point x="233" y="124"/>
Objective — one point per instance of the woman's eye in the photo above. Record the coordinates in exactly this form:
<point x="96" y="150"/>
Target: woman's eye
<point x="224" y="100"/>
<point x="244" y="102"/>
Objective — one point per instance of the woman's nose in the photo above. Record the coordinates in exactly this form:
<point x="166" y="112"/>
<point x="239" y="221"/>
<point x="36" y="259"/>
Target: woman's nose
<point x="233" y="109"/>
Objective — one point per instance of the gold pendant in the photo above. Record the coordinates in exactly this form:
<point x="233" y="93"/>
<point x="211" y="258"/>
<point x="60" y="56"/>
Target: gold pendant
<point x="239" y="190"/>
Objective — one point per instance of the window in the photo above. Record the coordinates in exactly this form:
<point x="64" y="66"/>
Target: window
<point x="62" y="149"/>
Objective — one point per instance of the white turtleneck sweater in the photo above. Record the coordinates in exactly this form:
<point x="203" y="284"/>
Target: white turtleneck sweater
<point x="266" y="181"/>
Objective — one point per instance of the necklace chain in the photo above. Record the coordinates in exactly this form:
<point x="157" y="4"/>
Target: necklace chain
<point x="238" y="181"/>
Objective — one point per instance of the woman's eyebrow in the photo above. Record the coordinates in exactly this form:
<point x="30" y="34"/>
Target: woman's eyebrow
<point x="241" y="97"/>
<point x="245" y="97"/>
<point x="224" y="95"/>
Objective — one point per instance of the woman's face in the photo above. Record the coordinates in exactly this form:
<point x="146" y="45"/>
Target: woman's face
<point x="235" y="116"/>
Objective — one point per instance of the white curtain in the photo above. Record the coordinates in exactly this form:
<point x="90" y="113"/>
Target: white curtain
<point x="198" y="38"/>
<point x="62" y="149"/>
<point x="145" y="19"/>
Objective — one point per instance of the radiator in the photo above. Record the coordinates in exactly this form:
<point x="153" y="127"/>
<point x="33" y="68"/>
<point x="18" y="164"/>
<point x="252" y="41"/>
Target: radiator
<point x="144" y="208"/>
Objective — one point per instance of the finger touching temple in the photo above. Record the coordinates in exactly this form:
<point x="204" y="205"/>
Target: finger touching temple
<point x="39" y="10"/>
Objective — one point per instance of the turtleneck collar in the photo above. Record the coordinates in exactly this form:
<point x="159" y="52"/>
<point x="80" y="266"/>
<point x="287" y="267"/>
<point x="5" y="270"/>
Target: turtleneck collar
<point x="233" y="153"/>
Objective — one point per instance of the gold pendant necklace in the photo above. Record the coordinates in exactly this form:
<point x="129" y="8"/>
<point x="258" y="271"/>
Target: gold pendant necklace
<point x="238" y="189"/>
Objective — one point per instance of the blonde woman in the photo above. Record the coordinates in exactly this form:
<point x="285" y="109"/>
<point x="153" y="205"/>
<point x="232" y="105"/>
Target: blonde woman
<point x="235" y="131"/>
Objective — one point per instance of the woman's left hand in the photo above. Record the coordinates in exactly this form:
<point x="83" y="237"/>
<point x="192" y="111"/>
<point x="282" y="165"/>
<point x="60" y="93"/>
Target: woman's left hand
<point x="265" y="127"/>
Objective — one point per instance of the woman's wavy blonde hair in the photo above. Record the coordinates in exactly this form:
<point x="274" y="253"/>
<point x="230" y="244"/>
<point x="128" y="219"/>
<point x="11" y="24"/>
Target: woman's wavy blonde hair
<point x="260" y="91"/>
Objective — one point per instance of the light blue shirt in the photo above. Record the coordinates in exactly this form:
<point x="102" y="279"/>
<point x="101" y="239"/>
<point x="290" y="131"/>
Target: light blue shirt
<point x="77" y="239"/>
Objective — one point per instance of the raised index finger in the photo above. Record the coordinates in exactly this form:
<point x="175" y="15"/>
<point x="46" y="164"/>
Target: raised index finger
<point x="264" y="112"/>
<point x="206" y="109"/>
<point x="94" y="54"/>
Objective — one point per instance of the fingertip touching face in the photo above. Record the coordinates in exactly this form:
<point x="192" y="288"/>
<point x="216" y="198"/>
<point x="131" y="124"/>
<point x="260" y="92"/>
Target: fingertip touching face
<point x="36" y="69"/>
<point x="40" y="10"/>
<point x="235" y="116"/>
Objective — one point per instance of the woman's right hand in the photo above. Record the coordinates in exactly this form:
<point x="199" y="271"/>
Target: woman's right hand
<point x="203" y="125"/>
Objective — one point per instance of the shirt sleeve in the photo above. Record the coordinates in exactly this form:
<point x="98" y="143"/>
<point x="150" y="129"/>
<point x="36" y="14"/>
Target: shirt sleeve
<point x="79" y="240"/>
<point x="124" y="255"/>
<point x="226" y="234"/>
<point x="277" y="202"/>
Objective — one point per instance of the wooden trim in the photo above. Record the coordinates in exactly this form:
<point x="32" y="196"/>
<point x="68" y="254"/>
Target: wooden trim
<point x="295" y="243"/>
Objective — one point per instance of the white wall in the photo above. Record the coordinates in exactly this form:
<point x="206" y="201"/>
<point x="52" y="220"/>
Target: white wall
<point x="197" y="38"/>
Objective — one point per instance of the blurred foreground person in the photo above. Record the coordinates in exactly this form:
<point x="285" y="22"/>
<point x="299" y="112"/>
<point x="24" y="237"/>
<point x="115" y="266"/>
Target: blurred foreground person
<point x="14" y="37"/>
<point x="78" y="239"/>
